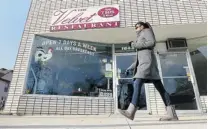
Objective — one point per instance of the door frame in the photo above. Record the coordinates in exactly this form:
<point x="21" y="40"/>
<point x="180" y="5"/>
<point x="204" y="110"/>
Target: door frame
<point x="115" y="80"/>
<point x="194" y="83"/>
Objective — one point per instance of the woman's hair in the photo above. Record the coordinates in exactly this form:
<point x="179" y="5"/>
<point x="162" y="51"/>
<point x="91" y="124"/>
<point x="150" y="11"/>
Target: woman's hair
<point x="146" y="24"/>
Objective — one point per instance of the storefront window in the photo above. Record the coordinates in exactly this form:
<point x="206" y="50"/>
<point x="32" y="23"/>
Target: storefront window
<point x="199" y="61"/>
<point x="178" y="80"/>
<point x="69" y="67"/>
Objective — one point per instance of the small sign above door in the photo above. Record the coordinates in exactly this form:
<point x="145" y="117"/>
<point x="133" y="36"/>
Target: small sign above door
<point x="123" y="48"/>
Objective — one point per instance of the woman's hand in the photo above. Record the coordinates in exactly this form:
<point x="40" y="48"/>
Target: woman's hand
<point x="130" y="43"/>
<point x="127" y="72"/>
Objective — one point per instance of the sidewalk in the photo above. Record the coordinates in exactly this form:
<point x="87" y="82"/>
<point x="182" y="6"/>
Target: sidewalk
<point x="100" y="122"/>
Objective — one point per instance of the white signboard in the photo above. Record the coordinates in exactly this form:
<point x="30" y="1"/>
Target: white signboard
<point x="108" y="67"/>
<point x="107" y="16"/>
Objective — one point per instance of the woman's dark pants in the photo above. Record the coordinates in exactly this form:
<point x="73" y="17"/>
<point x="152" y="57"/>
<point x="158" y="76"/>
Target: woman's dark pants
<point x="138" y="83"/>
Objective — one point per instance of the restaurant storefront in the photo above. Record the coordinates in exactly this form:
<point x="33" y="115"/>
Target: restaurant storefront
<point x="78" y="65"/>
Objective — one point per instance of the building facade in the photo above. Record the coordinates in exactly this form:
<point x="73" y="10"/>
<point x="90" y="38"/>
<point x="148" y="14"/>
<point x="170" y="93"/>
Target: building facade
<point x="5" y="79"/>
<point x="68" y="68"/>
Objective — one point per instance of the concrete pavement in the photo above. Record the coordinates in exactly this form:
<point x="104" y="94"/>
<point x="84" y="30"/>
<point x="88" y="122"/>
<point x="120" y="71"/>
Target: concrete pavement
<point x="99" y="122"/>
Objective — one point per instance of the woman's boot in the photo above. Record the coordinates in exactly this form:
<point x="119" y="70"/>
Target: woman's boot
<point x="130" y="112"/>
<point x="171" y="114"/>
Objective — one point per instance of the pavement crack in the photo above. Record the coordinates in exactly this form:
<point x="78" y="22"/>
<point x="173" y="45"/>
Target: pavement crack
<point x="128" y="124"/>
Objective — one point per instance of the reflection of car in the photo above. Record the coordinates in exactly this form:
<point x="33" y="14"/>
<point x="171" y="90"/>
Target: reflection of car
<point x="177" y="99"/>
<point x="79" y="93"/>
<point x="103" y="83"/>
<point x="182" y="97"/>
<point x="94" y="94"/>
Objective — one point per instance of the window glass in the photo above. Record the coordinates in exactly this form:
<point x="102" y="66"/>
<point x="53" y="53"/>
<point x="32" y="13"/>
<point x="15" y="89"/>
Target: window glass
<point x="199" y="62"/>
<point x="173" y="64"/>
<point x="6" y="89"/>
<point x="181" y="93"/>
<point x="177" y="80"/>
<point x="69" y="67"/>
<point x="125" y="83"/>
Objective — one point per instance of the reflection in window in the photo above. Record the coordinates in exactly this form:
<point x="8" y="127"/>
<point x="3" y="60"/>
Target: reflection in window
<point x="69" y="67"/>
<point x="6" y="88"/>
<point x="126" y="83"/>
<point x="175" y="70"/>
<point x="173" y="64"/>
<point x="181" y="92"/>
<point x="122" y="63"/>
<point x="199" y="62"/>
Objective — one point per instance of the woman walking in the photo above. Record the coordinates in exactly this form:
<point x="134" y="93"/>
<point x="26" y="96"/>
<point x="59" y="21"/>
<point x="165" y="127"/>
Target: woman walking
<point x="145" y="70"/>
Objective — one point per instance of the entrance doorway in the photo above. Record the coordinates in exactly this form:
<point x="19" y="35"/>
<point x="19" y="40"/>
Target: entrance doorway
<point x="176" y="73"/>
<point x="122" y="62"/>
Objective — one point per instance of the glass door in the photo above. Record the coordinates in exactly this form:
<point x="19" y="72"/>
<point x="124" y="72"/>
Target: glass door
<point x="122" y="62"/>
<point x="179" y="80"/>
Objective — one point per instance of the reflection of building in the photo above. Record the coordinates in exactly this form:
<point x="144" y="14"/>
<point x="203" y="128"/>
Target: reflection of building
<point x="52" y="66"/>
<point x="199" y="61"/>
<point x="5" y="79"/>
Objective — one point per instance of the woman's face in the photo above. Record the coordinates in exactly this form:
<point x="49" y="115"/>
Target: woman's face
<point x="139" y="27"/>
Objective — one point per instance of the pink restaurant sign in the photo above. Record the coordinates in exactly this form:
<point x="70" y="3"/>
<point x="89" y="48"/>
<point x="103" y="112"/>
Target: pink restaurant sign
<point x="107" y="16"/>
